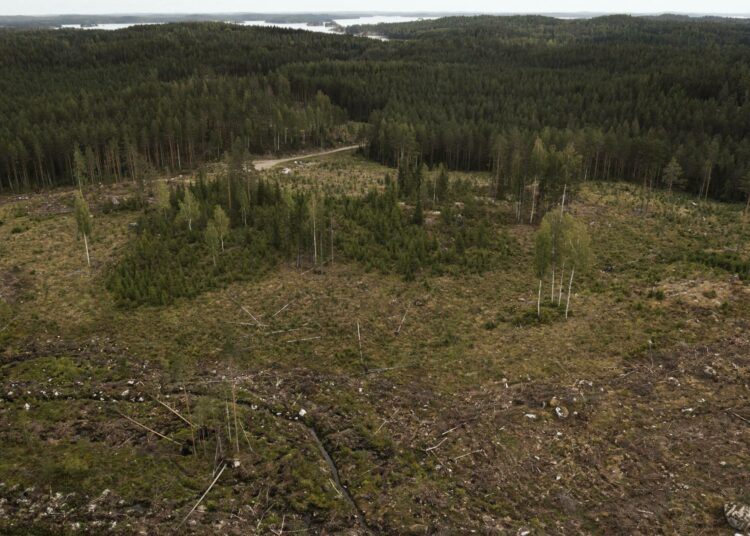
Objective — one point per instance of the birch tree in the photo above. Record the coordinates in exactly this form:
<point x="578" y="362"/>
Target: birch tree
<point x="563" y="241"/>
<point x="212" y="237"/>
<point x="221" y="222"/>
<point x="577" y="252"/>
<point x="189" y="210"/>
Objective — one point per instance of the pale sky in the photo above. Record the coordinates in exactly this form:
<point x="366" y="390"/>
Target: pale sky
<point x="45" y="7"/>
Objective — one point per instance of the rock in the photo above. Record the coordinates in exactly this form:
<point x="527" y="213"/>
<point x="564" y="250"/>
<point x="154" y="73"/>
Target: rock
<point x="562" y="412"/>
<point x="554" y="402"/>
<point x="302" y="412"/>
<point x="531" y="416"/>
<point x="567" y="503"/>
<point x="26" y="406"/>
<point x="125" y="393"/>
<point x="709" y="371"/>
<point x="738" y="516"/>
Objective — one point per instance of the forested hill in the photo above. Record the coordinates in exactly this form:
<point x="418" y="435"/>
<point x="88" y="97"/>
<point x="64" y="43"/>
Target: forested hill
<point x="626" y="96"/>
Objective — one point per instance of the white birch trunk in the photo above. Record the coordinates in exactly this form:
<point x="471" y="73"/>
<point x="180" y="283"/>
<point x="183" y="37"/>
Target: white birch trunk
<point x="539" y="301"/>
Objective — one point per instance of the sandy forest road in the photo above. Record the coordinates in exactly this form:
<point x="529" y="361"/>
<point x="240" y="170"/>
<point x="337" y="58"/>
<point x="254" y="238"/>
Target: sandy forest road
<point x="262" y="165"/>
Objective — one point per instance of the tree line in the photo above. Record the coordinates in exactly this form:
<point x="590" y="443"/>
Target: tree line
<point x="631" y="96"/>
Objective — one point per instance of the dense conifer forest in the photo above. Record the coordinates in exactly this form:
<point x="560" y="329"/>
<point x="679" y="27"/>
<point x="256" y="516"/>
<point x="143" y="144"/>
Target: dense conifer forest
<point x="626" y="95"/>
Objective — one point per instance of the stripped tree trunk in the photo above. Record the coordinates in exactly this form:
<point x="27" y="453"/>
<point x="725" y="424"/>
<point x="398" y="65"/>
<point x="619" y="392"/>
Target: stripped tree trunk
<point x="562" y="205"/>
<point x="86" y="244"/>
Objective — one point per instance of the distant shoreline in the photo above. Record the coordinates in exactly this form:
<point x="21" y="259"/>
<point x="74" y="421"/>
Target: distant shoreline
<point x="311" y="19"/>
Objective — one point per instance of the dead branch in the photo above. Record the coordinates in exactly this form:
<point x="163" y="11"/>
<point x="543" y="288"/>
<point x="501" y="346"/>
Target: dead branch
<point x="359" y="339"/>
<point x="740" y="417"/>
<point x="467" y="454"/>
<point x="246" y="311"/>
<point x="149" y="429"/>
<point x="280" y="310"/>
<point x="385" y="421"/>
<point x="204" y="495"/>
<point x="402" y="320"/>
<point x="304" y="339"/>
<point x="174" y="411"/>
<point x="428" y="449"/>
<point x="386" y="369"/>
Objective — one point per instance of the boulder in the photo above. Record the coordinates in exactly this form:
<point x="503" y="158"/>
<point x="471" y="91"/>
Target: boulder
<point x="738" y="516"/>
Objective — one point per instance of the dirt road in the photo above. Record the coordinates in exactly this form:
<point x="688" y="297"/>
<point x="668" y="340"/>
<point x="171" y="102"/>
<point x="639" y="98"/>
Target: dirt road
<point x="261" y="165"/>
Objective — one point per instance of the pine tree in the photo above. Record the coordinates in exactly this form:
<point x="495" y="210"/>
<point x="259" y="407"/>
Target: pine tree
<point x="418" y="216"/>
<point x="79" y="168"/>
<point x="83" y="222"/>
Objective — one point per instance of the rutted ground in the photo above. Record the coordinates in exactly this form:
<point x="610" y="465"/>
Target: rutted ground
<point x="457" y="414"/>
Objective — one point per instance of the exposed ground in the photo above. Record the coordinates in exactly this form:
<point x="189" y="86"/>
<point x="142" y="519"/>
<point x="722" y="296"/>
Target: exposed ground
<point x="458" y="413"/>
<point x="262" y="165"/>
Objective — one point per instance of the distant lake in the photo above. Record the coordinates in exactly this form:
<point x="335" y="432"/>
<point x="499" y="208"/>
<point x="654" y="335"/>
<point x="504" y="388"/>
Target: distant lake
<point x="322" y="27"/>
<point x="344" y="23"/>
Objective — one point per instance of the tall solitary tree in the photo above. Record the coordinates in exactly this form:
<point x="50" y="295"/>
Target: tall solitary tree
<point x="83" y="222"/>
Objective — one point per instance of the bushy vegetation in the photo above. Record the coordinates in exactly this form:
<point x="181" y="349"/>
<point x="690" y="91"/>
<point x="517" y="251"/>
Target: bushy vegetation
<point x="207" y="233"/>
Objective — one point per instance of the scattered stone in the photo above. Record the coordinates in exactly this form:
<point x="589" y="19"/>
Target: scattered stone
<point x="554" y="402"/>
<point x="738" y="516"/>
<point x="531" y="416"/>
<point x="562" y="412"/>
<point x="125" y="393"/>
<point x="709" y="371"/>
<point x="26" y="406"/>
<point x="302" y="412"/>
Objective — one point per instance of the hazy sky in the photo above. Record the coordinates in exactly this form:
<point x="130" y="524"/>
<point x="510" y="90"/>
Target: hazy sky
<point x="40" y="7"/>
